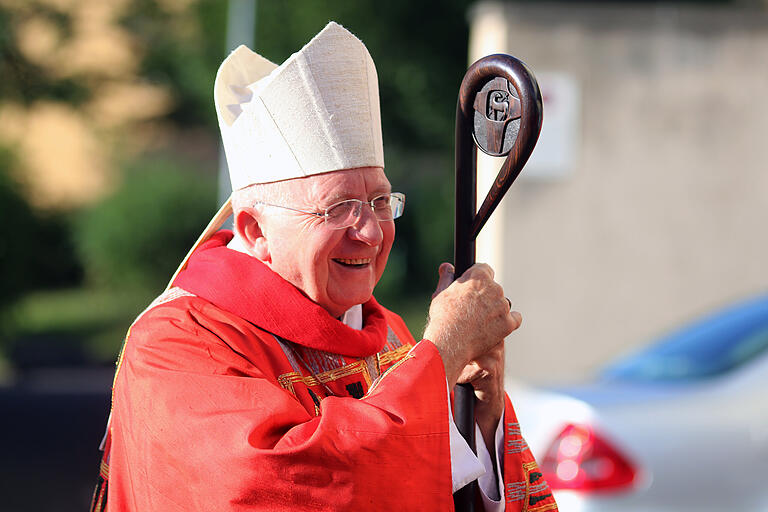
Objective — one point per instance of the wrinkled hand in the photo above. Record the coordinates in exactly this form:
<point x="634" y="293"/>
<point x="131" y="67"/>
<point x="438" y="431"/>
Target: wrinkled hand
<point x="468" y="318"/>
<point x="486" y="374"/>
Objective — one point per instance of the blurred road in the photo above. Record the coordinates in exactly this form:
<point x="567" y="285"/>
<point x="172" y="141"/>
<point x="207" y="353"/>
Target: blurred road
<point x="51" y="422"/>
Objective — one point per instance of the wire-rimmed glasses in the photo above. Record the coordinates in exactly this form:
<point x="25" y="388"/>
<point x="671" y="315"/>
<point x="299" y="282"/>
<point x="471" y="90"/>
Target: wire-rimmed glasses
<point x="345" y="213"/>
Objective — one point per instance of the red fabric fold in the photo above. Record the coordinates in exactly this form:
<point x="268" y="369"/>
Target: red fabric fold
<point x="243" y="285"/>
<point x="210" y="414"/>
<point x="200" y="423"/>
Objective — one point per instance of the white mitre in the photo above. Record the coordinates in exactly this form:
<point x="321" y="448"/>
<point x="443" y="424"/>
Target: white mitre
<point x="317" y="112"/>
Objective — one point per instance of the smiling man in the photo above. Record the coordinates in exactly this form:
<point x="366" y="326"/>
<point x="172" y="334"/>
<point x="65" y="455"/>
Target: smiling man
<point x="267" y="377"/>
<point x="332" y="242"/>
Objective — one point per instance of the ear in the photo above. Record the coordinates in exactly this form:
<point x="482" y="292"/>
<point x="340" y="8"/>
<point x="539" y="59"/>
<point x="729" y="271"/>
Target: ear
<point x="251" y="233"/>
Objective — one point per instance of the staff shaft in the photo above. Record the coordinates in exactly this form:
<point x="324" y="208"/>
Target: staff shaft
<point x="468" y="220"/>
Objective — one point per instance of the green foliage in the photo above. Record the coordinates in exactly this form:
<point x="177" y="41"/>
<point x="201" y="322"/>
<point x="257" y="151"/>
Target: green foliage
<point x="137" y="237"/>
<point x="425" y="232"/>
<point x="35" y="249"/>
<point x="182" y="52"/>
<point x="17" y="223"/>
<point x="23" y="81"/>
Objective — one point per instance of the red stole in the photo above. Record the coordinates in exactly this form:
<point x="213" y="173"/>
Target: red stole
<point x="242" y="285"/>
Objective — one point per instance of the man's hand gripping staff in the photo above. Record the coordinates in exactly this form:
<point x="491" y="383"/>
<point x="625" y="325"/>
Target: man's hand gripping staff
<point x="468" y="320"/>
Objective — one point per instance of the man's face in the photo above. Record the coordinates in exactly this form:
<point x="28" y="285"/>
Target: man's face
<point x="336" y="268"/>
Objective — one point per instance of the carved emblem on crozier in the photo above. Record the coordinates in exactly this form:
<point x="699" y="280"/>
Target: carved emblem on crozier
<point x="497" y="117"/>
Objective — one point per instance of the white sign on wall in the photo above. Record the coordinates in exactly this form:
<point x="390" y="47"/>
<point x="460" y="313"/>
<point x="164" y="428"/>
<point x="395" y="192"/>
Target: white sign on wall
<point x="555" y="152"/>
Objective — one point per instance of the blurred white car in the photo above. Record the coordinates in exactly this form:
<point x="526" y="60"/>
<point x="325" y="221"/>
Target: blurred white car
<point x="679" y="426"/>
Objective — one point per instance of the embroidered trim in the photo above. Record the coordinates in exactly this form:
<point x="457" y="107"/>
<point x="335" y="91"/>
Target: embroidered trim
<point x="315" y="401"/>
<point x="394" y="355"/>
<point x="515" y="446"/>
<point x="513" y="429"/>
<point x="389" y="370"/>
<point x="542" y="508"/>
<point x="104" y="470"/>
<point x="288" y="352"/>
<point x="393" y="352"/>
<point x="99" y="498"/>
<point x="515" y="442"/>
<point x="287" y="380"/>
<point x="318" y="361"/>
<point x="167" y="296"/>
<point x="516" y="491"/>
<point x="393" y="342"/>
<point x="532" y="489"/>
<point x="98" y="501"/>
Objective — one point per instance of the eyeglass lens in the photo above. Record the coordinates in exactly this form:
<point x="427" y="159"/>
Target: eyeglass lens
<point x="346" y="213"/>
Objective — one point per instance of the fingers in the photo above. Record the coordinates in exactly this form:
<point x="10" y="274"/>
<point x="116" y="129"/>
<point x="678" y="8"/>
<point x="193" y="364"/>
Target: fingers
<point x="446" y="277"/>
<point x="478" y="270"/>
<point x="471" y="373"/>
<point x="516" y="319"/>
<point x="486" y="375"/>
<point x="476" y="374"/>
<point x="487" y="366"/>
<point x="467" y="318"/>
<point x="446" y="268"/>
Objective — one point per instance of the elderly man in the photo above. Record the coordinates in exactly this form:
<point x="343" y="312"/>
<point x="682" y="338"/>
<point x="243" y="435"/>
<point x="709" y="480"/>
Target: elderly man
<point x="267" y="377"/>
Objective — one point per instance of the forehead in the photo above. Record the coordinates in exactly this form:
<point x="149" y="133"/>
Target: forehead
<point x="325" y="189"/>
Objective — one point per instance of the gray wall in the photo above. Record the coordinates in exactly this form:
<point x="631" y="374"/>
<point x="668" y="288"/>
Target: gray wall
<point x="663" y="216"/>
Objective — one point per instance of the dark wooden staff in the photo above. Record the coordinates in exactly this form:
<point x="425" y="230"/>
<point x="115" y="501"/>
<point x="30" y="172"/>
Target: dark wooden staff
<point x="499" y="110"/>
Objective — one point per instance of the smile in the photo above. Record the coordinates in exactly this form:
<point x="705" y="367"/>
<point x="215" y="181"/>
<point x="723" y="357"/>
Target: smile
<point x="356" y="262"/>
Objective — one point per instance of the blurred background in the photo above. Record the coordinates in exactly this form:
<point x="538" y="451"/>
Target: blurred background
<point x="643" y="206"/>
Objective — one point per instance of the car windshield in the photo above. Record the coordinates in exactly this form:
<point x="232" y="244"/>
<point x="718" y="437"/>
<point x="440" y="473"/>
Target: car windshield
<point x="713" y="346"/>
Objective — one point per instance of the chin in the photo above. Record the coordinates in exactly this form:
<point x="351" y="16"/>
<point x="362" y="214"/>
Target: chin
<point x="353" y="299"/>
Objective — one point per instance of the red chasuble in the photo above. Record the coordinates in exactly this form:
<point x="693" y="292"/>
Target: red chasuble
<point x="235" y="392"/>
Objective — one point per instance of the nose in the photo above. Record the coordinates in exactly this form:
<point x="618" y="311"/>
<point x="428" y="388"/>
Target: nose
<point x="366" y="228"/>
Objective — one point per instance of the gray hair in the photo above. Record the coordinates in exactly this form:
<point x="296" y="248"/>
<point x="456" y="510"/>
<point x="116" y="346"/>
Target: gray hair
<point x="249" y="197"/>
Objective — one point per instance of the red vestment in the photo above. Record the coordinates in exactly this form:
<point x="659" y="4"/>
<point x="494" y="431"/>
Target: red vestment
<point x="235" y="392"/>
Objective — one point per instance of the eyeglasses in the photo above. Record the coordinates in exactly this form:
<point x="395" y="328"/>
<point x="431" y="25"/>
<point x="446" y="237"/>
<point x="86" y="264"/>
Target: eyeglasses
<point x="344" y="214"/>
